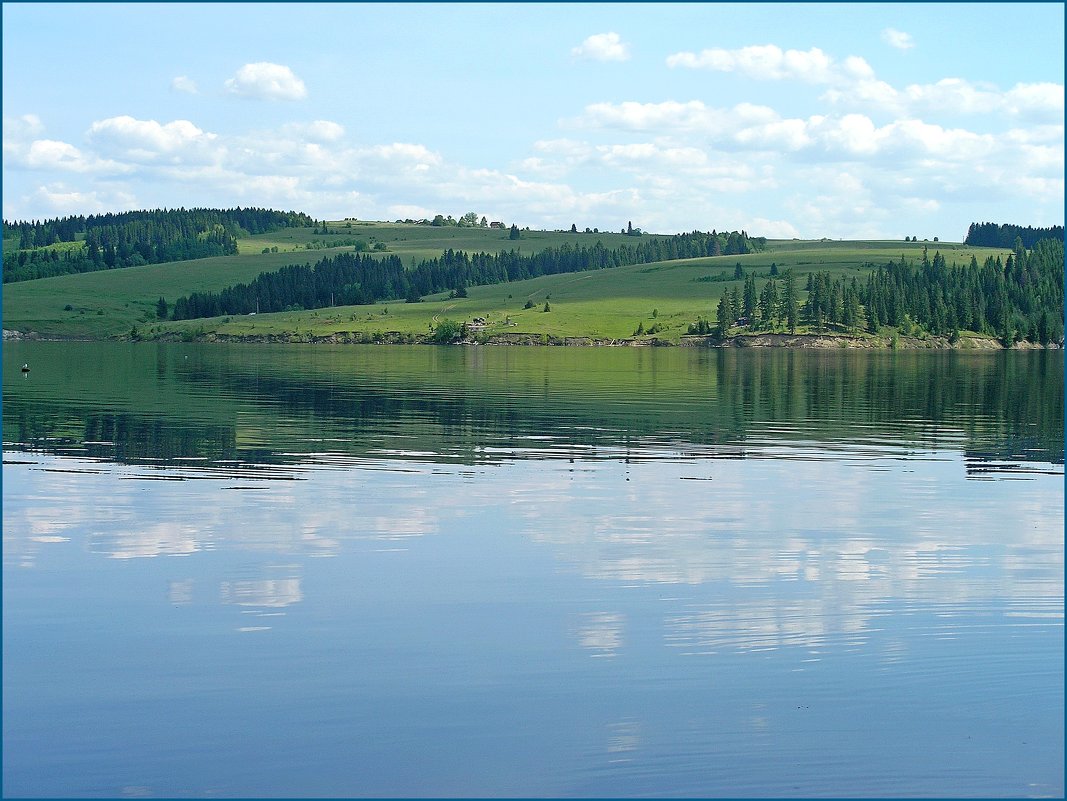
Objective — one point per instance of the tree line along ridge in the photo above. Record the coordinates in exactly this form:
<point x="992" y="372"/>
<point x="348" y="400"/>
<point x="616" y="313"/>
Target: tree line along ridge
<point x="130" y="239"/>
<point x="355" y="279"/>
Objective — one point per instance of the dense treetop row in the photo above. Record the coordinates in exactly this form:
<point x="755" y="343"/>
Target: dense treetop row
<point x="1013" y="299"/>
<point x="106" y="241"/>
<point x="1020" y="298"/>
<point x="991" y="235"/>
<point x="352" y="278"/>
<point x="65" y="229"/>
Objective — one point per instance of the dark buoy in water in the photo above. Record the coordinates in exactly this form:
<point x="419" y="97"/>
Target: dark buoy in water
<point x="25" y="368"/>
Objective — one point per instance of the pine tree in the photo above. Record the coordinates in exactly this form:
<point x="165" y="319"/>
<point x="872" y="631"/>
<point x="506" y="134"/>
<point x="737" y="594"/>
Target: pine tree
<point x="749" y="302"/>
<point x="722" y="317"/>
<point x="789" y="302"/>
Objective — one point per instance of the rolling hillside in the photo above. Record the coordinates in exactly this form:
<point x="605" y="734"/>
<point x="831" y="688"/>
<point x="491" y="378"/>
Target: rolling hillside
<point x="602" y="304"/>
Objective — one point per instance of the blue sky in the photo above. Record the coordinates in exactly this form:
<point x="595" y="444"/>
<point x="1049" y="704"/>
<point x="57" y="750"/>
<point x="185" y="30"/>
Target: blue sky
<point x="845" y="121"/>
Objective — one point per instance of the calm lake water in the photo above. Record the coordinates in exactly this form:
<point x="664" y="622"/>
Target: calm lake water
<point x="376" y="571"/>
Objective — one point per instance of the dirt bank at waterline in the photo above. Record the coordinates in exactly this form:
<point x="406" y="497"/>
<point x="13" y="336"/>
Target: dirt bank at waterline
<point x="758" y="340"/>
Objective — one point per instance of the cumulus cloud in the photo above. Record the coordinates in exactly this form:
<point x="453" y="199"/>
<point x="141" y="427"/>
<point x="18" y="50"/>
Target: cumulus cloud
<point x="22" y="127"/>
<point x="1042" y="99"/>
<point x="1039" y="102"/>
<point x="671" y="116"/>
<point x="24" y="150"/>
<point x="602" y="47"/>
<point x="774" y="229"/>
<point x="148" y="141"/>
<point x="406" y="211"/>
<point x="897" y="39"/>
<point x="317" y="131"/>
<point x="49" y="154"/>
<point x="266" y="81"/>
<point x="759" y="128"/>
<point x="62" y="200"/>
<point x="764" y="62"/>
<point x="852" y="82"/>
<point x="185" y="85"/>
<point x="869" y="158"/>
<point x="406" y="152"/>
<point x="19" y="133"/>
<point x="780" y="135"/>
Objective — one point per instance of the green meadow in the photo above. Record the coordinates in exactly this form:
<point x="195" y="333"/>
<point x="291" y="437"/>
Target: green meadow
<point x="603" y="304"/>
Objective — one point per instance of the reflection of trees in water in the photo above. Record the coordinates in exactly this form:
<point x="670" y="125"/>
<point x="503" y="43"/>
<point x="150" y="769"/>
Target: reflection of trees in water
<point x="1008" y="405"/>
<point x="1004" y="406"/>
<point x="124" y="437"/>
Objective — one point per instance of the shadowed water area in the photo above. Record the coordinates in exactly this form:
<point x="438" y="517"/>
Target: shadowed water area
<point x="403" y="571"/>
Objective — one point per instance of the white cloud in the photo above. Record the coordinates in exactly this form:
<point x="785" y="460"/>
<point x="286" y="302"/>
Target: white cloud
<point x="265" y="81"/>
<point x="851" y="136"/>
<point x="185" y="85"/>
<point x="62" y="200"/>
<point x="148" y="141"/>
<point x="405" y="211"/>
<point x="867" y="154"/>
<point x="952" y="94"/>
<point x="783" y="135"/>
<point x="603" y="47"/>
<point x="317" y="131"/>
<point x="852" y="82"/>
<point x="644" y="116"/>
<point x="764" y="62"/>
<point x="871" y="177"/>
<point x="646" y="154"/>
<point x="569" y="148"/>
<point x="897" y="39"/>
<point x="19" y="133"/>
<point x="1038" y="134"/>
<point x="49" y="154"/>
<point x="774" y="229"/>
<point x="23" y="127"/>
<point x="405" y="152"/>
<point x="1041" y="99"/>
<point x="23" y="151"/>
<point x="1040" y="102"/>
<point x="559" y="156"/>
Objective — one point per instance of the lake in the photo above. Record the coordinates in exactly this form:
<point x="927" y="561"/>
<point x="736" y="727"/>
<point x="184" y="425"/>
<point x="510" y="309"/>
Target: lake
<point x="500" y="571"/>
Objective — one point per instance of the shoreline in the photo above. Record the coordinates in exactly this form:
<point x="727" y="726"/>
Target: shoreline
<point x="825" y="341"/>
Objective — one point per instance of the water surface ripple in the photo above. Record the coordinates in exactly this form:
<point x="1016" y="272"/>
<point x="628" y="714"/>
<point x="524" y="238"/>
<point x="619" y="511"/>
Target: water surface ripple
<point x="375" y="571"/>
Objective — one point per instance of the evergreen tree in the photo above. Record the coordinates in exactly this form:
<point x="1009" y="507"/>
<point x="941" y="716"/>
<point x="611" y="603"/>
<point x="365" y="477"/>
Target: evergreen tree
<point x="789" y="302"/>
<point x="768" y="304"/>
<point x="722" y="317"/>
<point x="749" y="302"/>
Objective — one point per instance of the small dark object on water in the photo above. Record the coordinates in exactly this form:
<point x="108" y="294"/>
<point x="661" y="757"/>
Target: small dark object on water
<point x="25" y="368"/>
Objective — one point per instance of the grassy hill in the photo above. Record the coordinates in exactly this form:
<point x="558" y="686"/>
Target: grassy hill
<point x="603" y="304"/>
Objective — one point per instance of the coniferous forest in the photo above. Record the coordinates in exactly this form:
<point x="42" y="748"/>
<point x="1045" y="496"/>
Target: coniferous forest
<point x="132" y="238"/>
<point x="351" y="278"/>
<point x="991" y="235"/>
<point x="1017" y="299"/>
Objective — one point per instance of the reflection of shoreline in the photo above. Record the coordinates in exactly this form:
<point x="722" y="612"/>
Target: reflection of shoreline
<point x="480" y="406"/>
